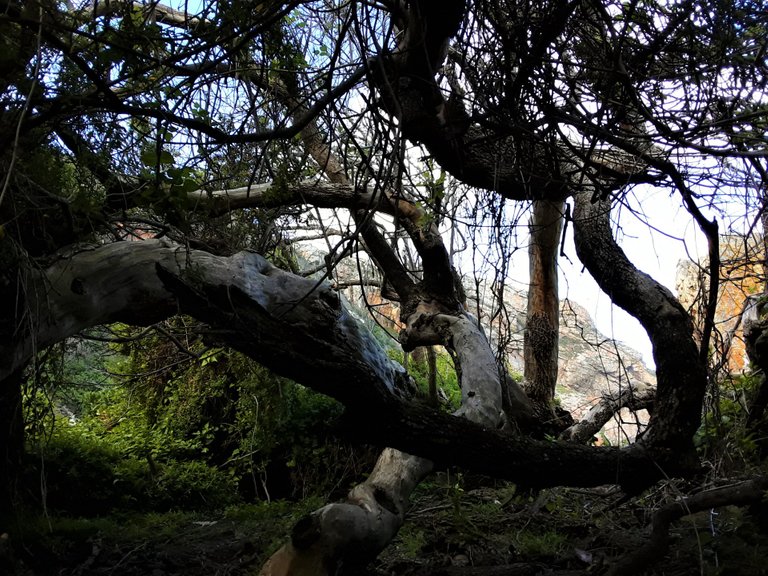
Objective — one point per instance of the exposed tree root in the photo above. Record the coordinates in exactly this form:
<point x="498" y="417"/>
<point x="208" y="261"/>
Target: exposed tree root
<point x="654" y="550"/>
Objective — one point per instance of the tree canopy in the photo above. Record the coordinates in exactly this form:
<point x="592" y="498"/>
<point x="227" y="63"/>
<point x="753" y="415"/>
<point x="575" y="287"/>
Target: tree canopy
<point x="159" y="159"/>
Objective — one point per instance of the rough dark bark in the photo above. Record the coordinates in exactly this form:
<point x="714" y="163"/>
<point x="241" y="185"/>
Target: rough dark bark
<point x="543" y="314"/>
<point x="432" y="377"/>
<point x="448" y="440"/>
<point x="755" y="329"/>
<point x="511" y="161"/>
<point x="302" y="329"/>
<point x="11" y="445"/>
<point x="680" y="371"/>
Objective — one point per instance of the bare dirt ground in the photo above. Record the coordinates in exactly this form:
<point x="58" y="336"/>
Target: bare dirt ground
<point x="454" y="529"/>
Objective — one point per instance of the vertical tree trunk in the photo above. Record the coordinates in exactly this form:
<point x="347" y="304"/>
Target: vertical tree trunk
<point x="11" y="445"/>
<point x="754" y="328"/>
<point x="432" y="376"/>
<point x="542" y="321"/>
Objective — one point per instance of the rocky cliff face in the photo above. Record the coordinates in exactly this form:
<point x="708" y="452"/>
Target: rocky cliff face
<point x="741" y="275"/>
<point x="590" y="365"/>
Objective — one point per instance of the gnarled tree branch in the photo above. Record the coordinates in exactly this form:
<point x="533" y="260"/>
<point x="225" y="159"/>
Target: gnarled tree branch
<point x="681" y="374"/>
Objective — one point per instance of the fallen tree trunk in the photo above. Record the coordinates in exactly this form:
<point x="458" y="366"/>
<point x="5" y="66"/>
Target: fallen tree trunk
<point x="638" y="396"/>
<point x="302" y="330"/>
<point x="292" y="324"/>
<point x="452" y="441"/>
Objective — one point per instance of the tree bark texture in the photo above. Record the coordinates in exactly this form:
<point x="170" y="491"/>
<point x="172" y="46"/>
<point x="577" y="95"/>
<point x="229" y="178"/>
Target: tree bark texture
<point x="452" y="441"/>
<point x="680" y="372"/>
<point x="755" y="330"/>
<point x="303" y="331"/>
<point x="288" y="322"/>
<point x="11" y="445"/>
<point x="342" y="537"/>
<point x="543" y="314"/>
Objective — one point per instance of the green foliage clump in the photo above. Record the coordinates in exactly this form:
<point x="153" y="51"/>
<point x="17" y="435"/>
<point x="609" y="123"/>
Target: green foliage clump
<point x="411" y="541"/>
<point x="146" y="426"/>
<point x="267" y="432"/>
<point x="724" y="437"/>
<point x="86" y="474"/>
<point x="287" y="448"/>
<point x="446" y="377"/>
<point x="542" y="544"/>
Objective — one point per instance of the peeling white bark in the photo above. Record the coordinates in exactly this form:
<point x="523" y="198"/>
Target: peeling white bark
<point x="345" y="534"/>
<point x="110" y="283"/>
<point x="480" y="378"/>
<point x="121" y="282"/>
<point x="268" y="195"/>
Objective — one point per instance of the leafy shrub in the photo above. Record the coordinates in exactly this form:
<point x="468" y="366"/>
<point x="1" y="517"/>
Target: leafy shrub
<point x="446" y="377"/>
<point x="166" y="430"/>
<point x="287" y="446"/>
<point x="541" y="544"/>
<point x="723" y="437"/>
<point x="76" y="472"/>
<point x="192" y="486"/>
<point x="84" y="474"/>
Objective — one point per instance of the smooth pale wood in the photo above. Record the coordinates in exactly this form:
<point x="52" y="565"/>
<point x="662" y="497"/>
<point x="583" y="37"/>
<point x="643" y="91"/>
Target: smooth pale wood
<point x="355" y="531"/>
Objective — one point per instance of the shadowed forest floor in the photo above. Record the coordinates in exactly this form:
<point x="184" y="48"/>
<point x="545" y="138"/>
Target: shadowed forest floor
<point x="457" y="526"/>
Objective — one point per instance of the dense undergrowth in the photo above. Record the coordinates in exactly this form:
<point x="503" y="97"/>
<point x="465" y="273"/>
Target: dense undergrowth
<point x="143" y="437"/>
<point x="153" y="428"/>
<point x="169" y="456"/>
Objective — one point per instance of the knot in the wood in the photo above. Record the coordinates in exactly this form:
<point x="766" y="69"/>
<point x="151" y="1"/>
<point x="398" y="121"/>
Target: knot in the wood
<point x="330" y="298"/>
<point x="425" y="327"/>
<point x="305" y="532"/>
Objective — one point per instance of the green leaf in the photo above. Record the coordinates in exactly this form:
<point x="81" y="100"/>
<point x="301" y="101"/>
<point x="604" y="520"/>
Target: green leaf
<point x="149" y="157"/>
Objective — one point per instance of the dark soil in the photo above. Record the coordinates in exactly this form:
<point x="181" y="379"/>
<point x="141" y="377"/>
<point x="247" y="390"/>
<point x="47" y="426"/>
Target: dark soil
<point x="200" y="548"/>
<point x="453" y="529"/>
